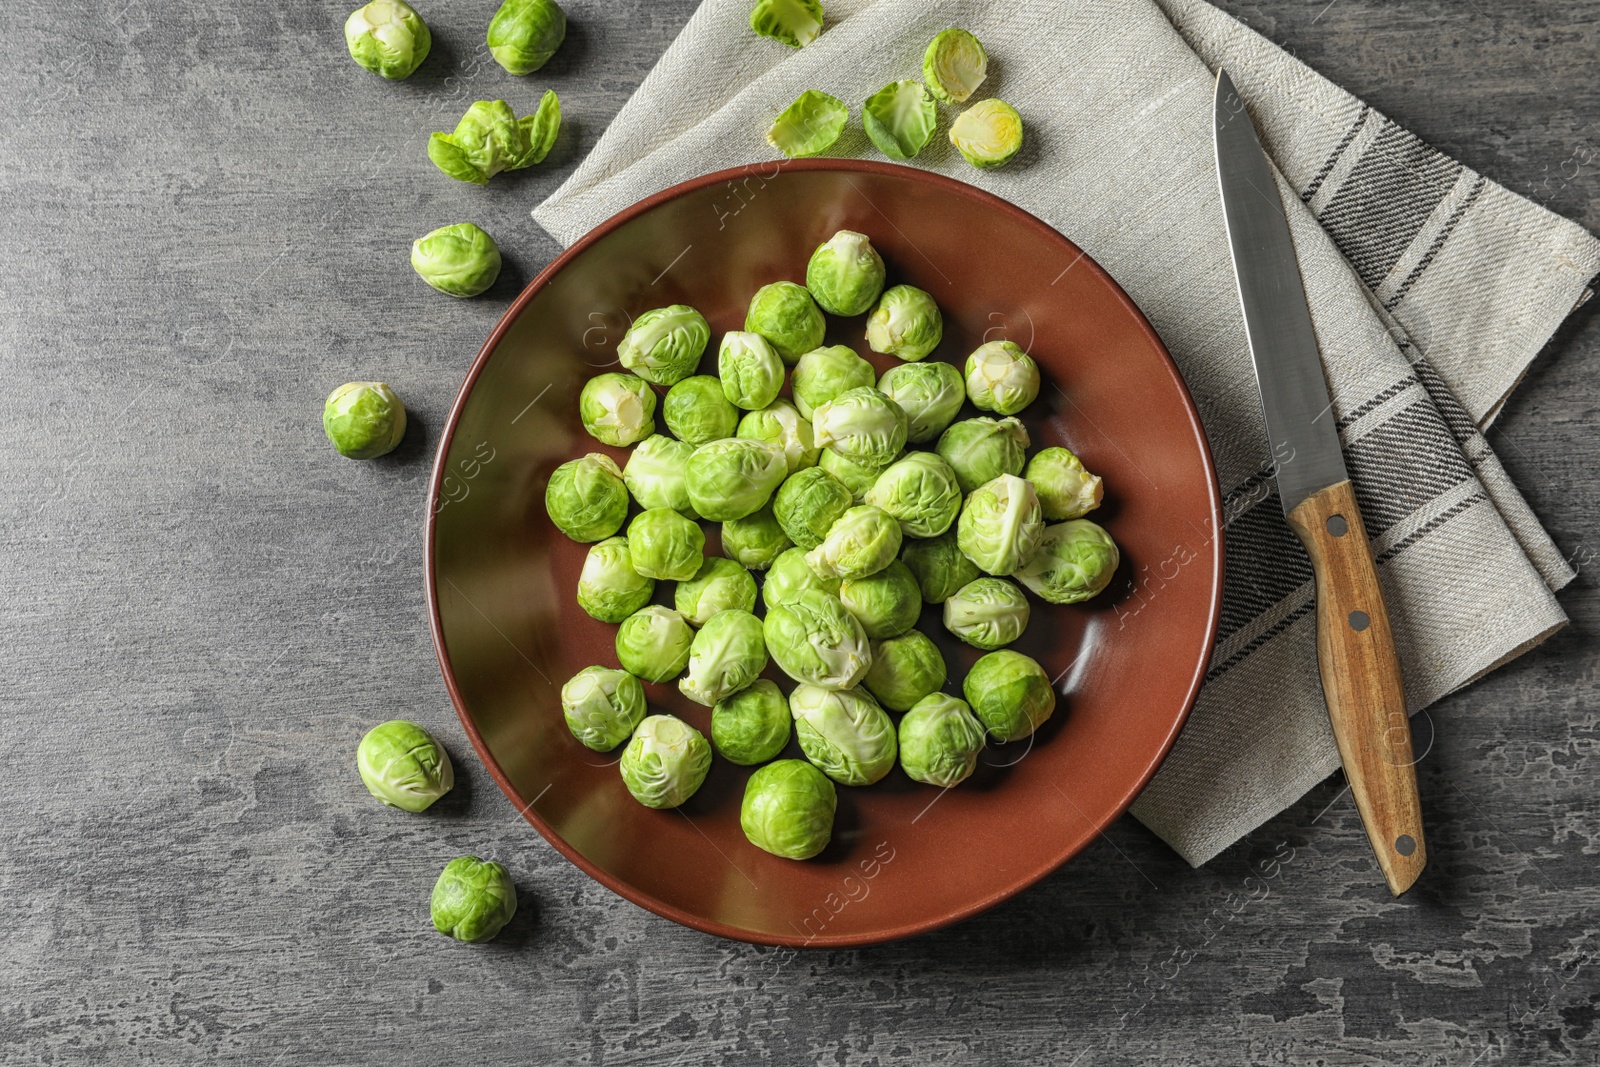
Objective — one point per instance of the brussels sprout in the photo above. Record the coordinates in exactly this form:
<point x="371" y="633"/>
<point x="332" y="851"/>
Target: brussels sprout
<point x="929" y="393"/>
<point x="904" y="670"/>
<point x="807" y="505"/>
<point x="728" y="655"/>
<point x="845" y="274"/>
<point x="790" y="576"/>
<point x="664" y="544"/>
<point x="734" y="477"/>
<point x="363" y="420"/>
<point x="988" y="134"/>
<point x="586" y="498"/>
<point x="609" y="589"/>
<point x="524" y="34"/>
<point x="1075" y="561"/>
<point x="816" y="641"/>
<point x="473" y="899"/>
<point x="664" y="345"/>
<point x="788" y="809"/>
<point x="905" y="324"/>
<point x="653" y="643"/>
<point x="921" y="492"/>
<point x="887" y="603"/>
<point x="863" y="541"/>
<point x="1000" y="525"/>
<point x="666" y="762"/>
<point x="981" y="450"/>
<point x="954" y="66"/>
<point x="697" y="412"/>
<point x="861" y="425"/>
<point x="824" y="373"/>
<point x="490" y="138"/>
<point x="939" y="566"/>
<point x="655" y="474"/>
<point x="780" y="424"/>
<point x="1066" y="490"/>
<point x="720" y="584"/>
<point x="787" y="317"/>
<point x="940" y="740"/>
<point x="809" y="126"/>
<point x="602" y="706"/>
<point x="900" y="118"/>
<point x="459" y="260"/>
<point x="1010" y="694"/>
<point x="844" y="732"/>
<point x="794" y="22"/>
<point x="750" y="370"/>
<point x="388" y="38"/>
<point x="752" y="725"/>
<point x="856" y="477"/>
<point x="404" y="766"/>
<point x="987" y="613"/>
<point x="756" y="540"/>
<point x="617" y="409"/>
<point x="1002" y="378"/>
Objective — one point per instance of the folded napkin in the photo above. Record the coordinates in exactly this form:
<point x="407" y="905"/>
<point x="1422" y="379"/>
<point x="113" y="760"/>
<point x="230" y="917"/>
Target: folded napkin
<point x="1431" y="288"/>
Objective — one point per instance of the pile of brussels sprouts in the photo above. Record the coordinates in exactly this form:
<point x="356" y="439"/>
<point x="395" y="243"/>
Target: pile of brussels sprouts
<point x="852" y="532"/>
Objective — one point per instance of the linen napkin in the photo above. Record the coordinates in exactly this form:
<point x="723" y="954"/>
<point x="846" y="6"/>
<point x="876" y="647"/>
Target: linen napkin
<point x="1431" y="289"/>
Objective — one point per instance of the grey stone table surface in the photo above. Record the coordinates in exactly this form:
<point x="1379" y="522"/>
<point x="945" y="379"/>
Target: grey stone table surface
<point x="206" y="210"/>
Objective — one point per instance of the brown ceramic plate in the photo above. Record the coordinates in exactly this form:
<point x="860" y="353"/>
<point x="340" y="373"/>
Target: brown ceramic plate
<point x="905" y="858"/>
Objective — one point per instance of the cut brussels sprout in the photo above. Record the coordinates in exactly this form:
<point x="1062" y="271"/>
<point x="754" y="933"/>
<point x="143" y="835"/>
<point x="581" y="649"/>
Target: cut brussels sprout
<point x="904" y="670"/>
<point x="697" y="412"/>
<point x="886" y="604"/>
<point x="609" y="589"/>
<point x="363" y="420"/>
<point x="905" y="324"/>
<point x="780" y="424"/>
<point x="1010" y="694"/>
<point x="728" y="655"/>
<point x="459" y="260"/>
<point x="845" y="274"/>
<point x="752" y="725"/>
<point x="824" y="373"/>
<point x="940" y="740"/>
<point x="954" y="66"/>
<point x="863" y="541"/>
<point x="586" y="498"/>
<point x="666" y="545"/>
<point x="788" y="809"/>
<point x="900" y="118"/>
<point x="617" y="409"/>
<point x="982" y="449"/>
<point x="490" y="138"/>
<point x="734" y="477"/>
<point x="844" y="732"/>
<point x="602" y="705"/>
<point x="852" y="475"/>
<point x="656" y="474"/>
<point x="1002" y="378"/>
<point x="988" y="134"/>
<point x="809" y="126"/>
<point x="664" y="345"/>
<point x="653" y="643"/>
<point x="1075" y="561"/>
<point x="1066" y="490"/>
<point x="794" y="22"/>
<point x="861" y="425"/>
<point x="929" y="393"/>
<point x="750" y="370"/>
<point x="666" y="761"/>
<point x="807" y="505"/>
<point x="987" y="613"/>
<point x="921" y="492"/>
<point x="815" y="640"/>
<point x="756" y="540"/>
<point x="939" y="566"/>
<point x="789" y="576"/>
<point x="388" y="38"/>
<point x="524" y="34"/>
<point x="720" y="584"/>
<point x="787" y="317"/>
<point x="473" y="899"/>
<point x="404" y="766"/>
<point x="1000" y="525"/>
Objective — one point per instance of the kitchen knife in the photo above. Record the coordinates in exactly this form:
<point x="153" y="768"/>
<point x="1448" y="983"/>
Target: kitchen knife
<point x="1355" y="647"/>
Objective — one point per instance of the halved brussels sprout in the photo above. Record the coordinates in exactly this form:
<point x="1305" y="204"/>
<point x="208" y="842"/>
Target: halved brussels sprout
<point x="617" y="409"/>
<point x="720" y="584"/>
<point x="490" y="138"/>
<point x="609" y="589"/>
<point x="939" y="566"/>
<point x="697" y="412"/>
<point x="887" y="603"/>
<point x="750" y="370"/>
<point x="929" y="393"/>
<point x="815" y="640"/>
<point x="524" y="34"/>
<point x="664" y="544"/>
<point x="586" y="497"/>
<point x="404" y="765"/>
<point x="1066" y="490"/>
<point x="794" y="22"/>
<point x="904" y="670"/>
<point x="1010" y="694"/>
<point x="845" y="274"/>
<point x="728" y="655"/>
<point x="363" y="420"/>
<point x="788" y="809"/>
<point x="809" y="126"/>
<point x="988" y="134"/>
<point x="756" y="540"/>
<point x="1075" y="561"/>
<point x="921" y="492"/>
<point x="602" y="705"/>
<point x="861" y="425"/>
<point x="940" y="740"/>
<point x="1000" y="525"/>
<point x="856" y="477"/>
<point x="787" y="317"/>
<point x="666" y="762"/>
<point x="863" y="541"/>
<point x="472" y="900"/>
<point x="459" y="260"/>
<point x="653" y="643"/>
<point x="780" y="424"/>
<point x="906" y="323"/>
<point x="1002" y="378"/>
<point x="987" y="613"/>
<point x="900" y="118"/>
<point x="789" y="576"/>
<point x="752" y="725"/>
<point x="734" y="477"/>
<point x="664" y="345"/>
<point x="808" y="504"/>
<point x="388" y="38"/>
<point x="844" y="732"/>
<point x="824" y="373"/>
<point x="982" y="449"/>
<point x="657" y="473"/>
<point x="954" y="66"/>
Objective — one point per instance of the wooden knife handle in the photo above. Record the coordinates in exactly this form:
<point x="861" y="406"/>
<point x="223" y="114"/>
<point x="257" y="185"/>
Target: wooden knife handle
<point x="1361" y="680"/>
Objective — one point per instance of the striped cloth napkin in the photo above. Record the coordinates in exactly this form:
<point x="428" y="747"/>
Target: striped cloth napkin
<point x="1432" y="288"/>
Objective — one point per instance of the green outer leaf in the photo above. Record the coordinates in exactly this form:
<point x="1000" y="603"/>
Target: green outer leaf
<point x="524" y="34"/>
<point x="453" y="161"/>
<point x="900" y="118"/>
<point x="796" y="23"/>
<point x="541" y="129"/>
<point x="809" y="126"/>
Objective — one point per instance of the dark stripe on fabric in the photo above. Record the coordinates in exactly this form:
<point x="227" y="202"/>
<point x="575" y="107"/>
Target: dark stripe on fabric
<point x="1438" y="243"/>
<point x="1260" y="639"/>
<point x="1382" y="398"/>
<point x="1461" y="425"/>
<point x="1431" y="525"/>
<point x="1333" y="160"/>
<point x="1402" y="464"/>
<point x="1265" y="563"/>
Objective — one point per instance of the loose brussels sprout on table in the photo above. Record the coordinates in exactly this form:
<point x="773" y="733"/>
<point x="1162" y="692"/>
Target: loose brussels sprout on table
<point x="899" y="118"/>
<point x="388" y="38"/>
<point x="794" y="22"/>
<point x="666" y="545"/>
<point x="787" y="317"/>
<point x="939" y="566"/>
<point x="697" y="412"/>
<point x="788" y="809"/>
<point x="756" y="540"/>
<point x="653" y="643"/>
<point x="780" y="424"/>
<point x="982" y="449"/>
<point x="404" y="766"/>
<point x="886" y="604"/>
<point x="931" y="394"/>
<point x="905" y="324"/>
<point x="789" y="576"/>
<point x="750" y="370"/>
<point x="490" y="138"/>
<point x="1066" y="490"/>
<point x="734" y="477"/>
<point x="845" y="274"/>
<point x="617" y="409"/>
<point x="664" y="345"/>
<point x="473" y="899"/>
<point x="657" y="474"/>
<point x="524" y="34"/>
<point x="609" y="589"/>
<point x="1075" y="561"/>
<point x="809" y="126"/>
<point x="1002" y="378"/>
<point x="954" y="65"/>
<point x="602" y="705"/>
<point x="459" y="260"/>
<point x="904" y="670"/>
<point x="987" y="613"/>
<point x="1010" y="694"/>
<point x="824" y="373"/>
<point x="856" y="477"/>
<point x="363" y="420"/>
<point x="844" y="732"/>
<point x="587" y="498"/>
<point x="720" y="584"/>
<point x="752" y="725"/>
<point x="940" y="740"/>
<point x="728" y="654"/>
<point x="861" y="425"/>
<point x="921" y="492"/>
<point x="815" y="640"/>
<point x="666" y="761"/>
<point x="863" y="541"/>
<point x="807" y="505"/>
<point x="988" y="134"/>
<point x="1000" y="525"/>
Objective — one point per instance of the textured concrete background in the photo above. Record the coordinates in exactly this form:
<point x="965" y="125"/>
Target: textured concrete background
<point x="206" y="213"/>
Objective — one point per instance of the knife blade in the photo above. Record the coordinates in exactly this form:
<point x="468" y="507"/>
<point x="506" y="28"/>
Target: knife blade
<point x="1356" y="656"/>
